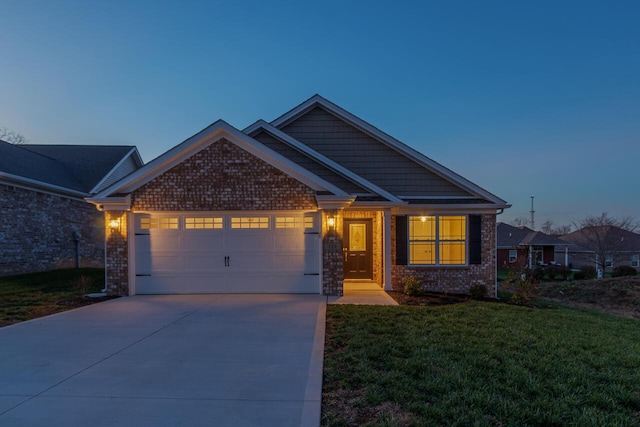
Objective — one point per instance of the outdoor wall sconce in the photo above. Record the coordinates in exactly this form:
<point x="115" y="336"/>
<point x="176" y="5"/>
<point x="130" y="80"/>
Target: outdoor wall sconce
<point x="114" y="225"/>
<point x="331" y="222"/>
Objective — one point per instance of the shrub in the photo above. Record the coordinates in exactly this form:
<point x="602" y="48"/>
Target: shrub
<point x="553" y="271"/>
<point x="586" y="273"/>
<point x="623" y="270"/>
<point x="525" y="286"/>
<point x="478" y="291"/>
<point x="412" y="286"/>
<point x="82" y="284"/>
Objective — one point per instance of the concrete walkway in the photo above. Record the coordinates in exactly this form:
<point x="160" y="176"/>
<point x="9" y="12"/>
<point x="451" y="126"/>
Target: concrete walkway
<point x="362" y="293"/>
<point x="189" y="360"/>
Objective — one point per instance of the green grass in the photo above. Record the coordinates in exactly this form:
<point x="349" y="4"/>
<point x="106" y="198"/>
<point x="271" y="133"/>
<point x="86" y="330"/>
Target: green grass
<point x="480" y="364"/>
<point x="28" y="296"/>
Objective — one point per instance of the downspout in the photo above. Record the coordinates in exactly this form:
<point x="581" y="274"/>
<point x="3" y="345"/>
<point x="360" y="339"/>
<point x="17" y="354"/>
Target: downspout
<point x="495" y="245"/>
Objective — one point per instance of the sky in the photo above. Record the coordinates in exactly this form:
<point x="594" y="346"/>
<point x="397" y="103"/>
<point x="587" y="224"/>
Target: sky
<point x="522" y="98"/>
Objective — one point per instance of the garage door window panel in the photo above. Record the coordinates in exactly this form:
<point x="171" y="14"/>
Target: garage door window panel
<point x="250" y="222"/>
<point x="203" y="223"/>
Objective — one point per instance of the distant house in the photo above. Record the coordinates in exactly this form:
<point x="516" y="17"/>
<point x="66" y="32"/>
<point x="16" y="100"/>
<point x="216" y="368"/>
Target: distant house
<point x="46" y="223"/>
<point x="523" y="246"/>
<point x="590" y="244"/>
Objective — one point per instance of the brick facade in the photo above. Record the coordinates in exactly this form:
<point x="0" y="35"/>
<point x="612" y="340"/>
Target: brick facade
<point x="455" y="280"/>
<point x="41" y="231"/>
<point x="223" y="177"/>
<point x="117" y="265"/>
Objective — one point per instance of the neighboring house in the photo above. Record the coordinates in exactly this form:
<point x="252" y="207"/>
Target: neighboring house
<point x="617" y="246"/>
<point x="297" y="205"/>
<point x="46" y="223"/>
<point x="519" y="246"/>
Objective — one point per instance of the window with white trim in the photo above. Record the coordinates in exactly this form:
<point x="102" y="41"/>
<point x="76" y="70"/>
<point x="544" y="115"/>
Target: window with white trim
<point x="513" y="255"/>
<point x="438" y="240"/>
<point x="608" y="261"/>
<point x="635" y="260"/>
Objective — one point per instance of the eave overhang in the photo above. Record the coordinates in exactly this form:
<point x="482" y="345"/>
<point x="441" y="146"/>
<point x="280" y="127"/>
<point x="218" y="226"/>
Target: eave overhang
<point x="113" y="203"/>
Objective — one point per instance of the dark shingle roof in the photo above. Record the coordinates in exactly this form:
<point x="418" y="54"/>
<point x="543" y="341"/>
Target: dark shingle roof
<point x="75" y="167"/>
<point x="509" y="236"/>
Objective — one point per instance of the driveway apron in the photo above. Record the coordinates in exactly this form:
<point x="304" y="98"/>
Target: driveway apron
<point x="183" y="360"/>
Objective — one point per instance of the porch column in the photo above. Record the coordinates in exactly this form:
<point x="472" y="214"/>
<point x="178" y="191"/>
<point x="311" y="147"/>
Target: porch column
<point x="386" y="250"/>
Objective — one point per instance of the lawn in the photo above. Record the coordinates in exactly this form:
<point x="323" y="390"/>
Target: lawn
<point x="480" y="364"/>
<point x="28" y="296"/>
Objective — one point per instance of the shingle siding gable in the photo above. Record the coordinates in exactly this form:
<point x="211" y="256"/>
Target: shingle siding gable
<point x="367" y="157"/>
<point x="309" y="164"/>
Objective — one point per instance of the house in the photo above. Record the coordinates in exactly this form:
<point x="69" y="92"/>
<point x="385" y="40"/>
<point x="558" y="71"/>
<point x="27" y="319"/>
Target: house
<point x="46" y="223"/>
<point x="518" y="246"/>
<point x="618" y="247"/>
<point x="301" y="204"/>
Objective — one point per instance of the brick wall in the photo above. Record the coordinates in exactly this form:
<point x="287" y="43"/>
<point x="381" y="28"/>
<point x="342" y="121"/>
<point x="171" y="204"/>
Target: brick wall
<point x="456" y="280"/>
<point x="223" y="177"/>
<point x="38" y="232"/>
<point x="332" y="256"/>
<point x="117" y="265"/>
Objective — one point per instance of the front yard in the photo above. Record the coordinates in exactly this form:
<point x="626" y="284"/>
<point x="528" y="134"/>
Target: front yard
<point x="29" y="296"/>
<point x="480" y="364"/>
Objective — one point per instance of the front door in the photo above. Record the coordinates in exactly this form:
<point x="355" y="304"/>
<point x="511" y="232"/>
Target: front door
<point x="358" y="259"/>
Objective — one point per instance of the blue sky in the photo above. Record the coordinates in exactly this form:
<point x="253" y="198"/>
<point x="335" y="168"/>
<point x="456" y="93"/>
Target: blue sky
<point x="523" y="98"/>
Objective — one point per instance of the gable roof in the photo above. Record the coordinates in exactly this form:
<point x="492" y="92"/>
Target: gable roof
<point x="337" y="160"/>
<point x="66" y="169"/>
<point x="509" y="236"/>
<point x="201" y="140"/>
<point x="376" y="156"/>
<point x="311" y="159"/>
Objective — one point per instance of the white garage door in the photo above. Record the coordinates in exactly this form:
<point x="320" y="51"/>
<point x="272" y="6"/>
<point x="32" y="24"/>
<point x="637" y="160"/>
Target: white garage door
<point x="227" y="253"/>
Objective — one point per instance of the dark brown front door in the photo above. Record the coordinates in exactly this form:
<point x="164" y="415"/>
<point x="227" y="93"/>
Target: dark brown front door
<point x="358" y="259"/>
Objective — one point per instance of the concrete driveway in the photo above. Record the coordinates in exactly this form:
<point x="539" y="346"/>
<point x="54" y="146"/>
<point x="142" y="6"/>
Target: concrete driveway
<point x="188" y="360"/>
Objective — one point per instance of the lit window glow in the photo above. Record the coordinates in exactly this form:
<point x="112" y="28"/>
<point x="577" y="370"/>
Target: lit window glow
<point x="438" y="240"/>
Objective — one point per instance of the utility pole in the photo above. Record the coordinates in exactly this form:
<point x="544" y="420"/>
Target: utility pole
<point x="533" y="224"/>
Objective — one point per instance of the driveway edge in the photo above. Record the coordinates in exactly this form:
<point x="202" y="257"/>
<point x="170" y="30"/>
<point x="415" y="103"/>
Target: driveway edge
<point x="311" y="410"/>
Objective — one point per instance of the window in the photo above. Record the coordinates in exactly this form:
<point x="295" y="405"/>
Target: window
<point x="147" y="223"/>
<point x="250" y="222"/>
<point x="294" y="222"/>
<point x="513" y="255"/>
<point x="202" y="223"/>
<point x="438" y="240"/>
<point x="635" y="260"/>
<point x="608" y="261"/>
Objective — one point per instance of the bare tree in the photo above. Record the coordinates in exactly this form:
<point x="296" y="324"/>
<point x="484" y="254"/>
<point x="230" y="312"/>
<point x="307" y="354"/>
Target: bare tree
<point x="12" y="137"/>
<point x="548" y="228"/>
<point x="520" y="221"/>
<point x="604" y="235"/>
<point x="561" y="230"/>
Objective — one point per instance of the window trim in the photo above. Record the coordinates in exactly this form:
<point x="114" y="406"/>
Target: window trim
<point x="635" y="260"/>
<point x="513" y="258"/>
<point x="437" y="242"/>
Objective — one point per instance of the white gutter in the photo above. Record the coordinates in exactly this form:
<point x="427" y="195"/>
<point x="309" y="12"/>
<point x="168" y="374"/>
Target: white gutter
<point x="34" y="184"/>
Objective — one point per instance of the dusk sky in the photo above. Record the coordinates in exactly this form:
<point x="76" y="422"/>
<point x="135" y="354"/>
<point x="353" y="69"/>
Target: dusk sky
<point x="523" y="98"/>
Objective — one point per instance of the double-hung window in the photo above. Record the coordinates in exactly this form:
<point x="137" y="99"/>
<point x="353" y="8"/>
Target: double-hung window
<point x="438" y="240"/>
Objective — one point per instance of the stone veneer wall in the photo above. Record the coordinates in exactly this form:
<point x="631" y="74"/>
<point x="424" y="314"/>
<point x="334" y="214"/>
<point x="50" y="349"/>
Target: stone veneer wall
<point x="455" y="280"/>
<point x="221" y="177"/>
<point x="377" y="230"/>
<point x="38" y="232"/>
